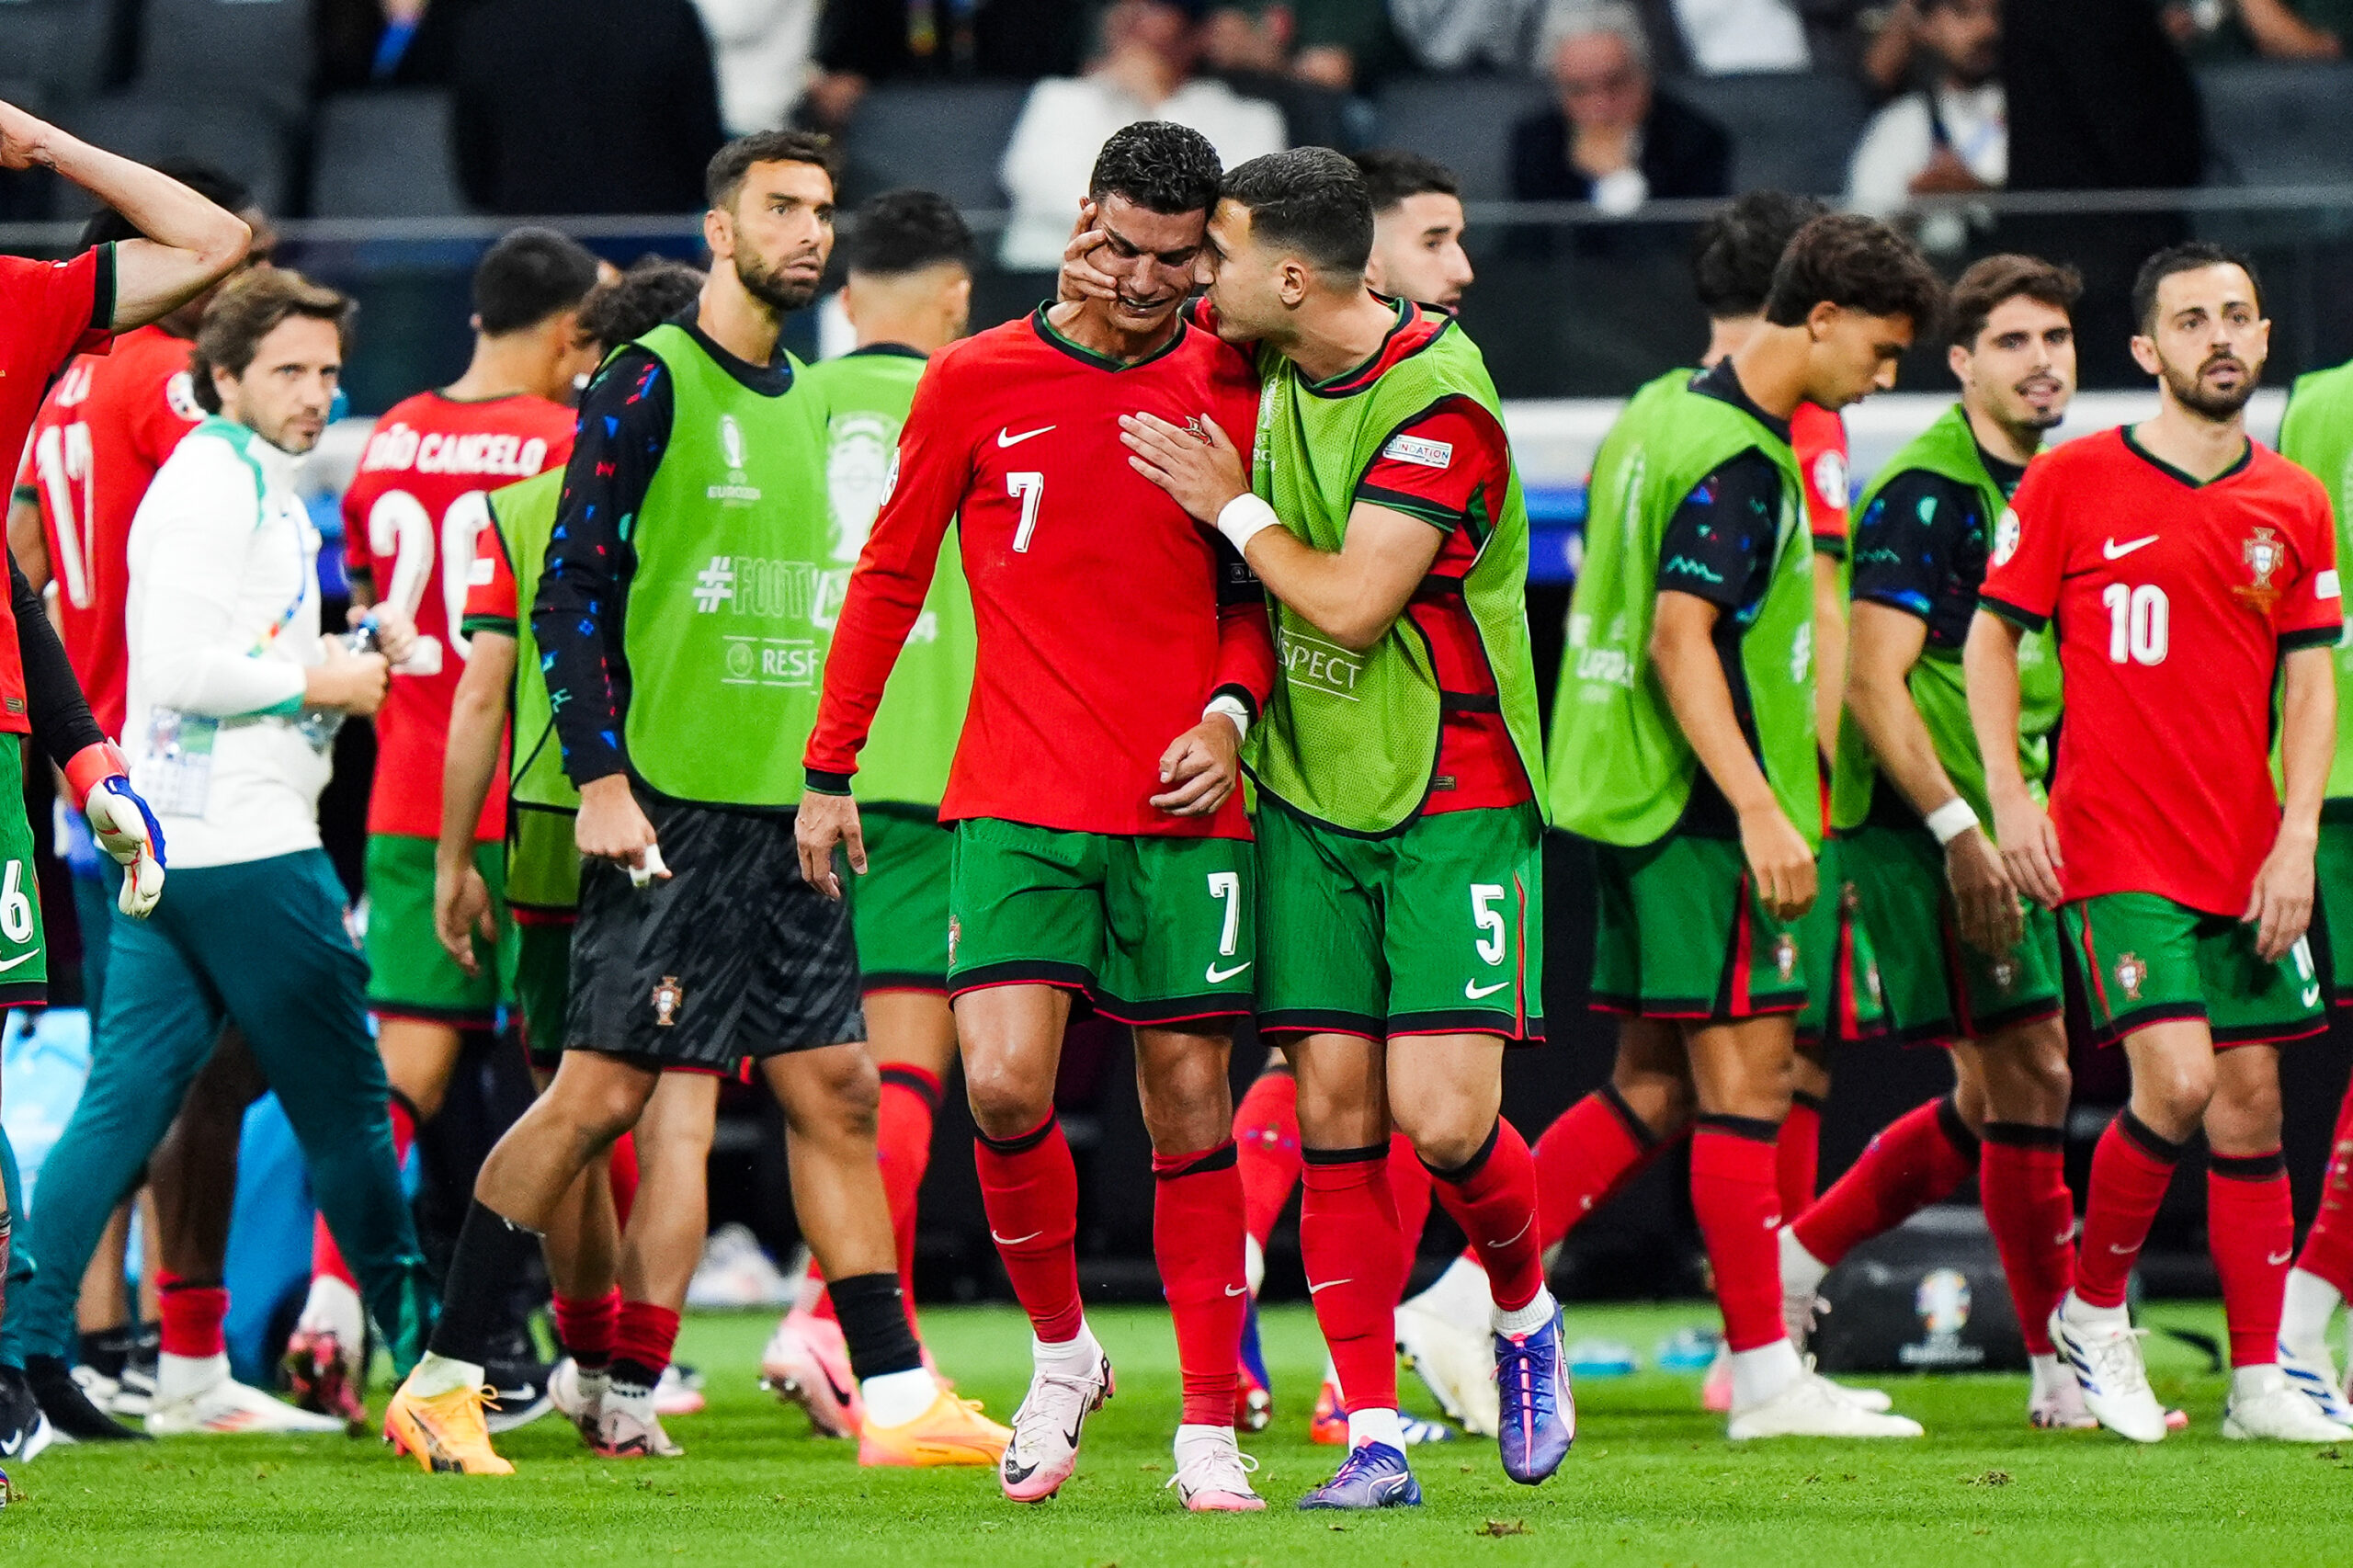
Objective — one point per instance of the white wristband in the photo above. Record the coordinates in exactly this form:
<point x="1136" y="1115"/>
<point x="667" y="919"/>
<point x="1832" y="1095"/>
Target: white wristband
<point x="1242" y="519"/>
<point x="1231" y="706"/>
<point x="1952" y="820"/>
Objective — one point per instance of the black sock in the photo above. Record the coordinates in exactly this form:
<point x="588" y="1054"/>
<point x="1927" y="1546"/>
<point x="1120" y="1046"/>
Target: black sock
<point x="629" y="1374"/>
<point x="874" y="1325"/>
<point x="491" y="1248"/>
<point x="107" y="1351"/>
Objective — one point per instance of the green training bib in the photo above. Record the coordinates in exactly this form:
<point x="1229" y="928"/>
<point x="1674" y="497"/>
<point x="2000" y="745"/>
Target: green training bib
<point x="2317" y="434"/>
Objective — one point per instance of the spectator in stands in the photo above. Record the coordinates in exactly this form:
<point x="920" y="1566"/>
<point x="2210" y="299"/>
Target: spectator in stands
<point x="584" y="106"/>
<point x="1950" y="138"/>
<point x="861" y="42"/>
<point x="1729" y="37"/>
<point x="1145" y="70"/>
<point x="2274" y="29"/>
<point x="1246" y="44"/>
<point x="1615" y="140"/>
<point x="385" y="43"/>
<point x="761" y="48"/>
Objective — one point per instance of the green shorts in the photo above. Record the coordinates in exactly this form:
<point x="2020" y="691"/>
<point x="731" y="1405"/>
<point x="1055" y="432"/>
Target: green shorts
<point x="543" y="986"/>
<point x="1938" y="987"/>
<point x="542" y="861"/>
<point x="898" y="911"/>
<point x="2147" y="959"/>
<point x="1151" y="929"/>
<point x="1680" y="935"/>
<point x="23" y="946"/>
<point x="409" y="975"/>
<point x="2332" y="885"/>
<point x="1843" y="1000"/>
<point x="1435" y="929"/>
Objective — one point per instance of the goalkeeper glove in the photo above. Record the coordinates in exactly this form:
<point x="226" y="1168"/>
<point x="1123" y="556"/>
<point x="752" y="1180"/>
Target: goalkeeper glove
<point x="120" y="820"/>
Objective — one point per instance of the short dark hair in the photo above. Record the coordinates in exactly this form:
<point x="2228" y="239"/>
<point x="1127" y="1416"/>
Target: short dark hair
<point x="528" y="276"/>
<point x="1992" y="281"/>
<point x="901" y="232"/>
<point x="723" y="176"/>
<point x="1858" y="264"/>
<point x="1734" y="253"/>
<point x="651" y="292"/>
<point x="248" y="309"/>
<point x="1160" y="166"/>
<point x="1310" y="199"/>
<point x="2190" y="256"/>
<point x="107" y="226"/>
<point x="1392" y="173"/>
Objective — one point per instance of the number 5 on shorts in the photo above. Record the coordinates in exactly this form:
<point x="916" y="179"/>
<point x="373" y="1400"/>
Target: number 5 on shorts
<point x="1485" y="896"/>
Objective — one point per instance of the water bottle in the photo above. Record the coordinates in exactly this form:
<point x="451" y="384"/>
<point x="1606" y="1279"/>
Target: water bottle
<point x="319" y="725"/>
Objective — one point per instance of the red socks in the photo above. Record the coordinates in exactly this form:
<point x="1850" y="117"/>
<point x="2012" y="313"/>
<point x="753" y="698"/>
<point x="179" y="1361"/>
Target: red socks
<point x="1797" y="1154"/>
<point x="2251" y="1229"/>
<point x="1197" y="1241"/>
<point x="1265" y="1141"/>
<point x="642" y="1343"/>
<point x="622" y="1177"/>
<point x="1918" y="1159"/>
<point x="1030" y="1188"/>
<point x="1348" y="1237"/>
<point x="2130" y="1169"/>
<point x="1409" y="1189"/>
<point x="1738" y="1204"/>
<point x="2022" y="1180"/>
<point x="585" y="1326"/>
<point x="1493" y="1196"/>
<point x="192" y="1316"/>
<point x="325" y="1256"/>
<point x="902" y="1140"/>
<point x="2328" y="1245"/>
<point x="1591" y="1150"/>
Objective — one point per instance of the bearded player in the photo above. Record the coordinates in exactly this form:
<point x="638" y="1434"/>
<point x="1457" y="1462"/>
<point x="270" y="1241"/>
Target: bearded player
<point x="908" y="296"/>
<point x="1398" y="781"/>
<point x="1961" y="964"/>
<point x="1101" y="851"/>
<point x="2190" y="574"/>
<point x="410" y="522"/>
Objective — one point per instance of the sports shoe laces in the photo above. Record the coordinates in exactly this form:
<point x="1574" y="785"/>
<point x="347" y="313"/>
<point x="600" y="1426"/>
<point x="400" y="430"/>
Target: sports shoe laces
<point x="1056" y="1402"/>
<point x="1213" y="1467"/>
<point x="1361" y="1461"/>
<point x="1521" y="1364"/>
<point x="2116" y="1359"/>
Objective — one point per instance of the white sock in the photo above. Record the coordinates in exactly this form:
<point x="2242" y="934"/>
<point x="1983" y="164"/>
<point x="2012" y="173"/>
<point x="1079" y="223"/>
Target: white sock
<point x="333" y="1307"/>
<point x="2305" y="1311"/>
<point x="1080" y="1355"/>
<point x="1801" y="1270"/>
<point x="1254" y="1263"/>
<point x="2075" y="1310"/>
<point x="2248" y="1382"/>
<point x="2048" y="1375"/>
<point x="1540" y="1310"/>
<point x="1460" y="1294"/>
<point x="184" y="1377"/>
<point x="1191" y="1437"/>
<point x="1376" y="1427"/>
<point x="896" y="1398"/>
<point x="439" y="1374"/>
<point x="1763" y="1373"/>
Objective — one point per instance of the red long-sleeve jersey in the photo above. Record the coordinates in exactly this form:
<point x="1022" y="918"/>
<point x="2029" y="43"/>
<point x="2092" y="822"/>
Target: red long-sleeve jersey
<point x="1107" y="617"/>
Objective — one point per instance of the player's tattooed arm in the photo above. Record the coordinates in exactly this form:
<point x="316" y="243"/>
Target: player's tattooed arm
<point x="2281" y="905"/>
<point x="2022" y="829"/>
<point x="1683" y="653"/>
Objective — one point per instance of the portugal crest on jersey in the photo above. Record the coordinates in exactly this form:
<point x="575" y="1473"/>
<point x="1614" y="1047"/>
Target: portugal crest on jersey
<point x="1785" y="957"/>
<point x="2132" y="974"/>
<point x="2263" y="555"/>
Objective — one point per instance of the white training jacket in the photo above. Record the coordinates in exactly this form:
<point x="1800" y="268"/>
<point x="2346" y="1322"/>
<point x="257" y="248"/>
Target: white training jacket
<point x="222" y="618"/>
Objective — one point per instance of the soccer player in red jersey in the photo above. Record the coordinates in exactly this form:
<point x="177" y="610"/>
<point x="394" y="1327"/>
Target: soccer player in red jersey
<point x="1101" y="850"/>
<point x="2190" y="574"/>
<point x="410" y="522"/>
<point x="109" y="421"/>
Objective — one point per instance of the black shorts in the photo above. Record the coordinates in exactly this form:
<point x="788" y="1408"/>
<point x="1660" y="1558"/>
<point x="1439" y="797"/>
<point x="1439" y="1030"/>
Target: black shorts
<point x="733" y="958"/>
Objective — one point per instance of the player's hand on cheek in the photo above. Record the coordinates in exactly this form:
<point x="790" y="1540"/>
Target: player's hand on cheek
<point x="1200" y="469"/>
<point x="1780" y="862"/>
<point x="1200" y="767"/>
<point x="2282" y="905"/>
<point x="1081" y="278"/>
<point x="823" y="824"/>
<point x="2029" y="847"/>
<point x="612" y="826"/>
<point x="1984" y="896"/>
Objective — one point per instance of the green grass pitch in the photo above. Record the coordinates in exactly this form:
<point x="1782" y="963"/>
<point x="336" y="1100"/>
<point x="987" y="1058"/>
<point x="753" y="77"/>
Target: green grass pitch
<point x="1651" y="1481"/>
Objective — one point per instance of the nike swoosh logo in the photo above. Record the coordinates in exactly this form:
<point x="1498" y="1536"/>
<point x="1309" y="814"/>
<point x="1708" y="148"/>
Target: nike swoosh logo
<point x="1014" y="1241"/>
<point x="9" y="1447"/>
<point x="1237" y="1289"/>
<point x="2311" y="994"/>
<point x="1492" y="1246"/>
<point x="2111" y="551"/>
<point x="21" y="958"/>
<point x="2122" y="1252"/>
<point x="1217" y="976"/>
<point x="2063" y="1237"/>
<point x="1004" y="438"/>
<point x="2276" y="1262"/>
<point x="1314" y="1289"/>
<point x="1017" y="1473"/>
<point x="1475" y="992"/>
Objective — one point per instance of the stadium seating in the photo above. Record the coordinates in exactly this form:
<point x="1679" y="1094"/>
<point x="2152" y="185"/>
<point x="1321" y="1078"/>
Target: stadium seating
<point x="53" y="52"/>
<point x="255" y="54"/>
<point x="1462" y="122"/>
<point x="949" y="139"/>
<point x="237" y="140"/>
<point x="2273" y="123"/>
<point x="383" y="155"/>
<point x="1788" y="132"/>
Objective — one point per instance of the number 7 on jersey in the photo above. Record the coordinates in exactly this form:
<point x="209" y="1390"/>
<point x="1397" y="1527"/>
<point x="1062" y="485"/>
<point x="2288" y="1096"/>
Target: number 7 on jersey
<point x="1030" y="488"/>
